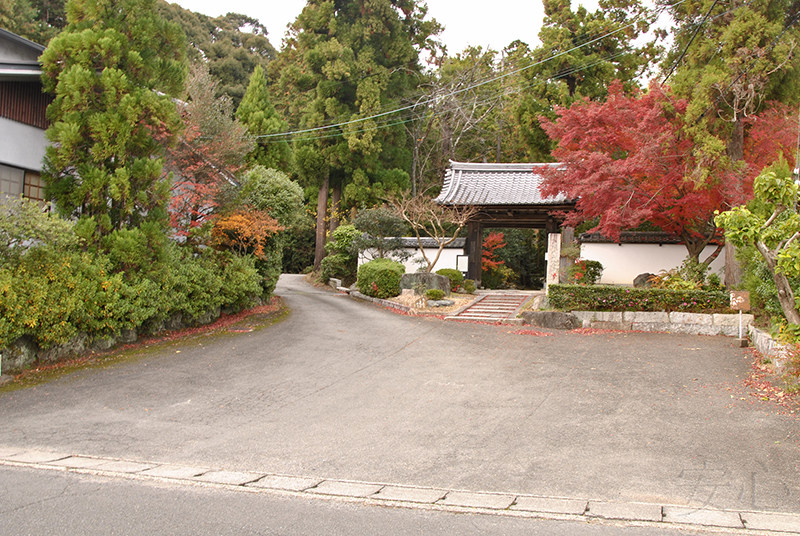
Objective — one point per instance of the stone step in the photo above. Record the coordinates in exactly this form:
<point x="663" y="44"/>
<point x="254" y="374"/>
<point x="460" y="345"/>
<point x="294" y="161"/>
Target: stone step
<point x="499" y="314"/>
<point x="492" y="308"/>
<point x="477" y="318"/>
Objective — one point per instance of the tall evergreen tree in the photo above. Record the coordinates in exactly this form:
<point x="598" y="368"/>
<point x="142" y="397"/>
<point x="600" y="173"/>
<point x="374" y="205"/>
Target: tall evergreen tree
<point x="258" y="114"/>
<point x="113" y="71"/>
<point x="37" y="20"/>
<point x="581" y="53"/>
<point x="232" y="45"/>
<point x="343" y="62"/>
<point x="729" y="60"/>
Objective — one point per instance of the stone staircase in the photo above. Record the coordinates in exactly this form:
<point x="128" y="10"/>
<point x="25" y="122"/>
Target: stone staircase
<point x="495" y="307"/>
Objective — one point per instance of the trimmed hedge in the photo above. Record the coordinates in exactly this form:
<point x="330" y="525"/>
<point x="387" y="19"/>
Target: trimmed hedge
<point x="608" y="298"/>
<point x="51" y="296"/>
<point x="380" y="278"/>
<point x="434" y="294"/>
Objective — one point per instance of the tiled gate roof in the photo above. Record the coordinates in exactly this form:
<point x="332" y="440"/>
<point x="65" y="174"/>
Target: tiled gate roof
<point x="495" y="184"/>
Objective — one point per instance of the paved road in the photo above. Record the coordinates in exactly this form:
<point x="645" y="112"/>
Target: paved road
<point x="346" y="390"/>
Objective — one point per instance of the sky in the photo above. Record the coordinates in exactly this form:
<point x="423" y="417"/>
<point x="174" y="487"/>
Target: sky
<point x="493" y="24"/>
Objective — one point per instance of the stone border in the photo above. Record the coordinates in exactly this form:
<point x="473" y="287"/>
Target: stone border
<point x="404" y="308"/>
<point x="383" y="303"/>
<point x="675" y="322"/>
<point x="769" y="347"/>
<point x="383" y="494"/>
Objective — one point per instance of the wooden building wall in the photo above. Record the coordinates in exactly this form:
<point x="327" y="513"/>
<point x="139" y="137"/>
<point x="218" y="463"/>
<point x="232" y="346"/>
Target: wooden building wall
<point x="24" y="102"/>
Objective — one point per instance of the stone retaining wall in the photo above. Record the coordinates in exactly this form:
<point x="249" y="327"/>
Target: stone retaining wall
<point x="687" y="323"/>
<point x="385" y="303"/>
<point x="25" y="353"/>
<point x="769" y="347"/>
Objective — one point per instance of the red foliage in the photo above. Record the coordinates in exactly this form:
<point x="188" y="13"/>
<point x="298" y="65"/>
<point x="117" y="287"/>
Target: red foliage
<point x="771" y="133"/>
<point x="493" y="242"/>
<point x="630" y="160"/>
<point x="245" y="231"/>
<point x="531" y="332"/>
<point x="200" y="164"/>
<point x="761" y="382"/>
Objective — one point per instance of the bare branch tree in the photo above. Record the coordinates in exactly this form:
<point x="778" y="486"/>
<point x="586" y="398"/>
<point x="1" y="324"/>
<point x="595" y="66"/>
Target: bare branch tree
<point x="429" y="219"/>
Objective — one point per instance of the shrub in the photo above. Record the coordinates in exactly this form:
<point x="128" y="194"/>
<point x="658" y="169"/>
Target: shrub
<point x="380" y="278"/>
<point x="585" y="272"/>
<point x="338" y="265"/>
<point x="381" y="231"/>
<point x="242" y="281"/>
<point x="434" y="293"/>
<point x="53" y="295"/>
<point x="500" y="277"/>
<point x="343" y="258"/>
<point x="456" y="278"/>
<point x="607" y="298"/>
<point x="469" y="286"/>
<point x="23" y="226"/>
<point x="269" y="266"/>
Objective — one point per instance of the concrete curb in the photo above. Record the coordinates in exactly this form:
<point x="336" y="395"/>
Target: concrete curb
<point x="398" y="495"/>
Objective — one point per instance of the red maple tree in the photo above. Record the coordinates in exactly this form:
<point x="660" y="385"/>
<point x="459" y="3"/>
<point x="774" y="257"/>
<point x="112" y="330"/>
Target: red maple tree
<point x="208" y="154"/>
<point x="493" y="242"/>
<point x="631" y="160"/>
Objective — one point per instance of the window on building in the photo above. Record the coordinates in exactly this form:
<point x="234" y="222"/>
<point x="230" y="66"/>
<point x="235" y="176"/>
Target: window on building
<point x="34" y="187"/>
<point x="11" y="180"/>
<point x="15" y="182"/>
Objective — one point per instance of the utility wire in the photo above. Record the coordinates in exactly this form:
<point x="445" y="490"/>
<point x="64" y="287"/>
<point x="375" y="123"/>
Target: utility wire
<point x="387" y="124"/>
<point x="686" y="49"/>
<point x="771" y="47"/>
<point x="462" y="90"/>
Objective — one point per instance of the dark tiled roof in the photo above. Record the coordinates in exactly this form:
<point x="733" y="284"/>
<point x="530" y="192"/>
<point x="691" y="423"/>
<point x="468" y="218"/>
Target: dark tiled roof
<point x="495" y="184"/>
<point x="636" y="237"/>
<point x="411" y="242"/>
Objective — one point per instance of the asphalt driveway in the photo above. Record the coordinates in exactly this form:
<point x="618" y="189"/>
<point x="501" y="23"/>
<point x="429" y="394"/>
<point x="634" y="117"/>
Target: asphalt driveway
<point x="346" y="390"/>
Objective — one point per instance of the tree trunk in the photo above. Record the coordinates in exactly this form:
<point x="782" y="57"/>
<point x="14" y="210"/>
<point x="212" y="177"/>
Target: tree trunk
<point x="733" y="271"/>
<point x="785" y="293"/>
<point x="735" y="149"/>
<point x="736" y="141"/>
<point x="322" y="212"/>
<point x="714" y="255"/>
<point x="414" y="165"/>
<point x="336" y="201"/>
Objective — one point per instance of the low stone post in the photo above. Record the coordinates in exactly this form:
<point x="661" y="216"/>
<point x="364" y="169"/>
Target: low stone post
<point x="553" y="258"/>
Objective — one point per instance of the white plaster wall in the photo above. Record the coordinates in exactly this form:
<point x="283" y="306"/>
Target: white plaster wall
<point x="21" y="145"/>
<point x="446" y="260"/>
<point x="623" y="262"/>
<point x="16" y="52"/>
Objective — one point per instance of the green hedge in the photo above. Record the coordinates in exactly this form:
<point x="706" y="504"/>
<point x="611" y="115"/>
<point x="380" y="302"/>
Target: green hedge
<point x="608" y="298"/>
<point x="456" y="278"/>
<point x="380" y="278"/>
<point x="51" y="295"/>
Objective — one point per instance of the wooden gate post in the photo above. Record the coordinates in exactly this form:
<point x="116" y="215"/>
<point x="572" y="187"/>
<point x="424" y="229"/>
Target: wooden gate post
<point x="474" y="251"/>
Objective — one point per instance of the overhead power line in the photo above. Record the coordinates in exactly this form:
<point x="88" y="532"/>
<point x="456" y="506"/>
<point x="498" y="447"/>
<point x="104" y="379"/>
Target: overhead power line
<point x="461" y="90"/>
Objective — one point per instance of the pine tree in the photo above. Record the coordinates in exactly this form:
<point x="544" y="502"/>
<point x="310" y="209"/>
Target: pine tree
<point x="258" y="114"/>
<point x="581" y="53"/>
<point x="113" y="71"/>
